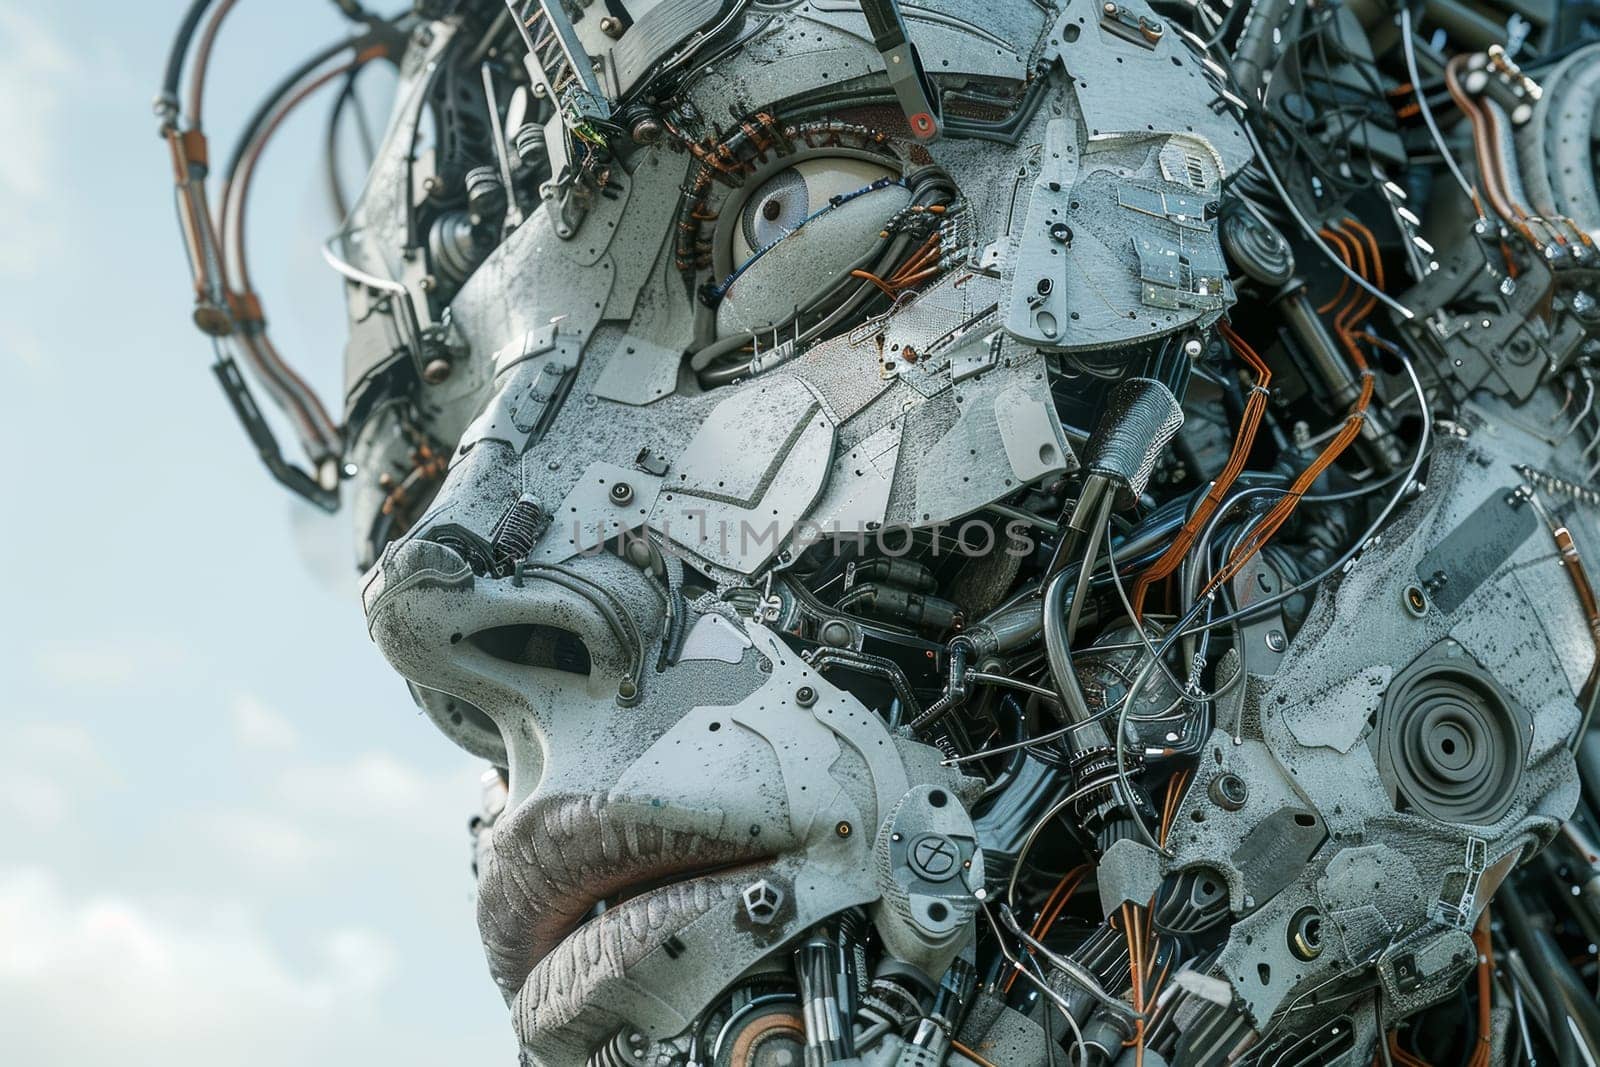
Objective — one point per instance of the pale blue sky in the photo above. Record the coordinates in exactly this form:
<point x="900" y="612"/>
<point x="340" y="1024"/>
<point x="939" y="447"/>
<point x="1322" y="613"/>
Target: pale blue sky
<point x="226" y="836"/>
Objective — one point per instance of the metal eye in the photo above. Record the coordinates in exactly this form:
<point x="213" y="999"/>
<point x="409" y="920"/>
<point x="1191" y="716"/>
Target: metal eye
<point x="780" y="205"/>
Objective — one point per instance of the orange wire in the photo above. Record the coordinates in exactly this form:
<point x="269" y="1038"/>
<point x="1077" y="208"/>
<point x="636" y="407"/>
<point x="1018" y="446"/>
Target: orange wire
<point x="1485" y="943"/>
<point x="1344" y="326"/>
<point x="1249" y="422"/>
<point x="1174" y="800"/>
<point x="1053" y="905"/>
<point x="875" y="280"/>
<point x="969" y="1054"/>
<point x="1131" y="931"/>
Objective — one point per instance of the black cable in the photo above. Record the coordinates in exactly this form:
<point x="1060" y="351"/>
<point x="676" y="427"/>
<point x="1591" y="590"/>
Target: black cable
<point x="354" y="12"/>
<point x="1509" y="907"/>
<point x="331" y="154"/>
<point x="180" y="50"/>
<point x="275" y="96"/>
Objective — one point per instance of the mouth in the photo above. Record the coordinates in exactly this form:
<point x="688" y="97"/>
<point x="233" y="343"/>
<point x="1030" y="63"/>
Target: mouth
<point x="577" y="891"/>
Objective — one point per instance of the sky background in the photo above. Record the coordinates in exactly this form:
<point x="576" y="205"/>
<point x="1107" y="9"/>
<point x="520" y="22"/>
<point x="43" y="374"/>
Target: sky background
<point x="226" y="835"/>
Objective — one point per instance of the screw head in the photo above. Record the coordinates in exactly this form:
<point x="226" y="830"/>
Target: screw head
<point x="436" y="371"/>
<point x="1276" y="641"/>
<point x="762" y="901"/>
<point x="805" y="696"/>
<point x="934" y="857"/>
<point x="621" y="493"/>
<point x="1228" y="791"/>
<point x="647" y="130"/>
<point x="611" y="26"/>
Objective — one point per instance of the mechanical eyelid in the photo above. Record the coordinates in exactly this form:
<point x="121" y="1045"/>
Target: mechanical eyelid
<point x="716" y="292"/>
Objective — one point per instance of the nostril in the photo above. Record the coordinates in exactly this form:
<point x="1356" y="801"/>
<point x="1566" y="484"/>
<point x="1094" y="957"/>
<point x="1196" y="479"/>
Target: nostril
<point x="536" y="645"/>
<point x="462" y="722"/>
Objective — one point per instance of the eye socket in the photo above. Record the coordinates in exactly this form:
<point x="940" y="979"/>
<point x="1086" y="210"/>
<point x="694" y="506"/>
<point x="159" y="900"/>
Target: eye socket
<point x="778" y="206"/>
<point x="773" y="212"/>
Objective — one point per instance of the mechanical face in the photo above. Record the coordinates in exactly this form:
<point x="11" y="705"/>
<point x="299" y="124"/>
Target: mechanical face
<point x="687" y="790"/>
<point x="955" y="550"/>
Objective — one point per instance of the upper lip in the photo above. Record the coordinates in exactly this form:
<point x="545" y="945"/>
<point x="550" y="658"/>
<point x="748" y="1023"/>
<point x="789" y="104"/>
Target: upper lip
<point x="556" y="856"/>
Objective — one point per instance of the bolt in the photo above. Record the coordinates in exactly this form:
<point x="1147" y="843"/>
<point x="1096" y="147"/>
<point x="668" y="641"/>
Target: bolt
<point x="1305" y="934"/>
<point x="437" y="370"/>
<point x="844" y="829"/>
<point x="621" y="493"/>
<point x="1061" y="233"/>
<point x="762" y="901"/>
<point x="1228" y="791"/>
<point x="1192" y="348"/>
<point x="1276" y="641"/>
<point x="835" y="632"/>
<point x="805" y="696"/>
<point x="611" y="26"/>
<point x="647" y="130"/>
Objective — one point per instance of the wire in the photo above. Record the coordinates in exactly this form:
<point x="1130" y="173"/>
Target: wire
<point x="173" y="74"/>
<point x="1344" y="327"/>
<point x="1408" y="44"/>
<point x="968" y="1053"/>
<point x="1310" y="230"/>
<point x="1243" y="441"/>
<point x="202" y="63"/>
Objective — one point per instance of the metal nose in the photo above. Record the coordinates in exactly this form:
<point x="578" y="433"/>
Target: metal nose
<point x="484" y="652"/>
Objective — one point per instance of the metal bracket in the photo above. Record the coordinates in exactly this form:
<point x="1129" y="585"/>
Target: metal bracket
<point x="900" y="61"/>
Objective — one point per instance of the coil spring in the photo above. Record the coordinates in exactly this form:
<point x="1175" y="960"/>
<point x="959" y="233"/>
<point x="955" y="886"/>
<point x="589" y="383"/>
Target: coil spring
<point x="625" y="1048"/>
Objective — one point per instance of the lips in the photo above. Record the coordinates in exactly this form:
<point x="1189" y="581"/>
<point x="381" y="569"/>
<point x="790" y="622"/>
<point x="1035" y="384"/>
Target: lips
<point x="556" y="857"/>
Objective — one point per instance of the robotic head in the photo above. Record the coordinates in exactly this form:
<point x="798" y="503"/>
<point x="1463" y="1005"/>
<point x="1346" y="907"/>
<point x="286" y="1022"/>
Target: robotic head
<point x="748" y="405"/>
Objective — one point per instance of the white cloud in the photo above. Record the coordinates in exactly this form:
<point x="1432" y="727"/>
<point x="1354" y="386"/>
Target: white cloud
<point x="257" y="725"/>
<point x="264" y="843"/>
<point x="35" y="65"/>
<point x="42" y="767"/>
<point x="312" y="817"/>
<point x="374" y="785"/>
<point x="87" y="978"/>
<point x="105" y="662"/>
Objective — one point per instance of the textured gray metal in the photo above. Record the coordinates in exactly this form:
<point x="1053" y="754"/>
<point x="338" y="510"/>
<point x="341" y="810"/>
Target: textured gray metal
<point x="744" y="314"/>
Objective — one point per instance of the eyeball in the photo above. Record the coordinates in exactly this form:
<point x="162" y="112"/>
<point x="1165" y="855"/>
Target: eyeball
<point x="779" y="206"/>
<point x="798" y="232"/>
